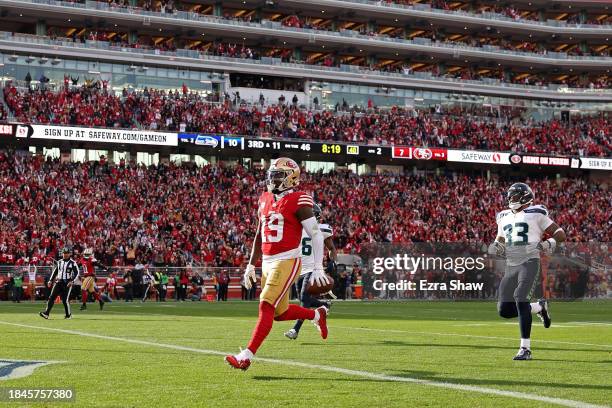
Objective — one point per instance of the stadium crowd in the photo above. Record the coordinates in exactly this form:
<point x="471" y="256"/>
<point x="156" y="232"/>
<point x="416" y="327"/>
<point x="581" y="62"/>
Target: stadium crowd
<point x="94" y="105"/>
<point x="174" y="215"/>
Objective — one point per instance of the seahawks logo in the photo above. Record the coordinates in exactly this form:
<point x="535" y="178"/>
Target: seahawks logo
<point x="11" y="369"/>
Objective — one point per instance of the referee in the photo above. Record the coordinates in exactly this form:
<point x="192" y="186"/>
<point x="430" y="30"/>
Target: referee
<point x="62" y="277"/>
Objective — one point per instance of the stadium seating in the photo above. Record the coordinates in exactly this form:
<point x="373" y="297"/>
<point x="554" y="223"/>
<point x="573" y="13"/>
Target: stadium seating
<point x="93" y="105"/>
<point x="174" y="215"/>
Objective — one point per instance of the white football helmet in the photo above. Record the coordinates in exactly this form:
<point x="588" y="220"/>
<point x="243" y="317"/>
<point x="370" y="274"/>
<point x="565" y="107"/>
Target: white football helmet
<point x="87" y="253"/>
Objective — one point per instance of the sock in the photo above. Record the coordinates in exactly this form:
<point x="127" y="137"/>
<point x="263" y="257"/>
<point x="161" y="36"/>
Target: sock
<point x="526" y="343"/>
<point x="84" y="296"/>
<point x="296" y="312"/>
<point x="245" y="355"/>
<point x="525" y="319"/>
<point x="535" y="307"/>
<point x="96" y="296"/>
<point x="298" y="325"/>
<point x="263" y="326"/>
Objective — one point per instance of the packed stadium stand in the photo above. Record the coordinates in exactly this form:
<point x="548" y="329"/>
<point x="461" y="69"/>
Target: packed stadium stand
<point x="142" y="129"/>
<point x="211" y="222"/>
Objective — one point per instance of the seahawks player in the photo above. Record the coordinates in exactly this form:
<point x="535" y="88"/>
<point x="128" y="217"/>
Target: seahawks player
<point x="308" y="263"/>
<point x="519" y="237"/>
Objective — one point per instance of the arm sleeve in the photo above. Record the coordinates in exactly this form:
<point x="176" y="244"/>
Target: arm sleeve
<point x="311" y="226"/>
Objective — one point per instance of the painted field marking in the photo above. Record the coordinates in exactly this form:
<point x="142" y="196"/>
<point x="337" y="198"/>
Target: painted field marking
<point x="349" y="372"/>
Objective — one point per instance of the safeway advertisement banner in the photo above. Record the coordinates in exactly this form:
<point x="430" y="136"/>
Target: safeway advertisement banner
<point x="474" y="156"/>
<point x="99" y="135"/>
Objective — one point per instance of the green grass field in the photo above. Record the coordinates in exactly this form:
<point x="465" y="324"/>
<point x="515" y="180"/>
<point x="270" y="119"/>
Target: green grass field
<point x="424" y="354"/>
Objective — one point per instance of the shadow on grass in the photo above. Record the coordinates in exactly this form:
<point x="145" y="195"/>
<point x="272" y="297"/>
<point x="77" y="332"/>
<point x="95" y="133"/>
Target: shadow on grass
<point x="318" y="379"/>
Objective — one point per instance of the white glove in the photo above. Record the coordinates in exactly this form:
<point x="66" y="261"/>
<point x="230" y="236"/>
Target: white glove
<point x="249" y="276"/>
<point x="548" y="246"/>
<point x="319" y="277"/>
<point x="497" y="248"/>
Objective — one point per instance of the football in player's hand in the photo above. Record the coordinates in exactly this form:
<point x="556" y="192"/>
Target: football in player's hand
<point x="316" y="290"/>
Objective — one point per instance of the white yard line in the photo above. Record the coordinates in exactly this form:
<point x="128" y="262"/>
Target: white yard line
<point x="339" y="370"/>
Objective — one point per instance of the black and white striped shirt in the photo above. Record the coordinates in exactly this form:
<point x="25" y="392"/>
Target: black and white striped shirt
<point x="65" y="271"/>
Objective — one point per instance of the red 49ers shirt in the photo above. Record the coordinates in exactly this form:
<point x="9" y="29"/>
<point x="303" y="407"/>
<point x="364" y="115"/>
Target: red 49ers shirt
<point x="281" y="231"/>
<point x="88" y="267"/>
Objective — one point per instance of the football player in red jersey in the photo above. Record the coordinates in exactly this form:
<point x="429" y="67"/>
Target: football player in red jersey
<point x="282" y="214"/>
<point x="89" y="278"/>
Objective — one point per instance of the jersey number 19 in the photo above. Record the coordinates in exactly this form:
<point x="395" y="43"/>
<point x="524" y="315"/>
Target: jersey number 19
<point x="275" y="228"/>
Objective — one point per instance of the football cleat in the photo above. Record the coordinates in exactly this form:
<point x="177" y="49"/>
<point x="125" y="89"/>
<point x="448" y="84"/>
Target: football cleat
<point x="544" y="314"/>
<point x="44" y="315"/>
<point x="321" y="321"/>
<point x="101" y="304"/>
<point x="291" y="334"/>
<point x="68" y="317"/>
<point x="523" y="354"/>
<point x="241" y="364"/>
<point x="83" y="307"/>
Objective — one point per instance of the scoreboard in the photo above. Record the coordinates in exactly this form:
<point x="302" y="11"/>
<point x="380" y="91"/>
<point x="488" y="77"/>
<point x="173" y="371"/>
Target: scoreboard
<point x="281" y="146"/>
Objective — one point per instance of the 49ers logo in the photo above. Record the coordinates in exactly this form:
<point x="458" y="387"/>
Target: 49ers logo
<point x="289" y="163"/>
<point x="421" y="154"/>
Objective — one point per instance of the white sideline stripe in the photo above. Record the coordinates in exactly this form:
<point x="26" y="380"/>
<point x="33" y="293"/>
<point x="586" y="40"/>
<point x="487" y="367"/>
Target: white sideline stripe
<point x="355" y="373"/>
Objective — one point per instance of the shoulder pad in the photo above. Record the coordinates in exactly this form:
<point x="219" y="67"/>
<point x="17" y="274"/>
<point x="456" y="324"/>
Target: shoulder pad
<point x="501" y="214"/>
<point x="304" y="199"/>
<point x="326" y="229"/>
<point x="538" y="209"/>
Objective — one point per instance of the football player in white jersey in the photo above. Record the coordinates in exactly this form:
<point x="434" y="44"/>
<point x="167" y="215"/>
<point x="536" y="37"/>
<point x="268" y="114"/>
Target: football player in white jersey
<point x="520" y="230"/>
<point x="308" y="264"/>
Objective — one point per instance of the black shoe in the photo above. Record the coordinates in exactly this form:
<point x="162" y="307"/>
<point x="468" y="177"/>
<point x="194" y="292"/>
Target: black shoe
<point x="68" y="317"/>
<point x="523" y="354"/>
<point x="44" y="315"/>
<point x="544" y="314"/>
<point x="101" y="304"/>
<point x="83" y="306"/>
